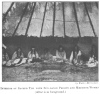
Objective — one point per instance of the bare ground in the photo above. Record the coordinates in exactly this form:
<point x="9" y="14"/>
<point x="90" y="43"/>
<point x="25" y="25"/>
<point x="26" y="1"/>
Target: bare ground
<point x="31" y="74"/>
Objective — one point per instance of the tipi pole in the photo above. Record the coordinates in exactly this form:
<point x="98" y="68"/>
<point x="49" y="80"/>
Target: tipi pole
<point x="20" y="19"/>
<point x="43" y="19"/>
<point x="54" y="18"/>
<point x="8" y="11"/>
<point x="76" y="18"/>
<point x="63" y="17"/>
<point x="30" y="19"/>
<point x="90" y="19"/>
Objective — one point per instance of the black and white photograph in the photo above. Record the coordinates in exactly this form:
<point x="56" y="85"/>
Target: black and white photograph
<point x="50" y="41"/>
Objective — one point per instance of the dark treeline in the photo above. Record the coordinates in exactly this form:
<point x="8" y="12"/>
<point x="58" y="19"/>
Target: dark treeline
<point x="48" y="42"/>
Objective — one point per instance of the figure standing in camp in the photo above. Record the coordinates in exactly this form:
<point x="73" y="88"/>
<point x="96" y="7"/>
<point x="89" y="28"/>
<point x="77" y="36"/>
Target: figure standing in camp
<point x="32" y="55"/>
<point x="60" y="53"/>
<point x="76" y="56"/>
<point x="93" y="59"/>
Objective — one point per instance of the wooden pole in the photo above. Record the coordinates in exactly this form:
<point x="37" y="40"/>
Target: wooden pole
<point x="54" y="18"/>
<point x="63" y="17"/>
<point x="20" y="19"/>
<point x="90" y="19"/>
<point x="43" y="20"/>
<point x="8" y="11"/>
<point x="30" y="19"/>
<point x="76" y="18"/>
